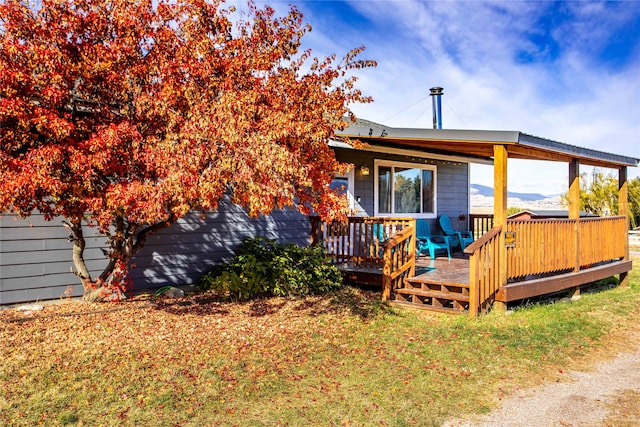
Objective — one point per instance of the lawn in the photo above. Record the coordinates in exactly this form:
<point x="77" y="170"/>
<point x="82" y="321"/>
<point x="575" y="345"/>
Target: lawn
<point x="342" y="359"/>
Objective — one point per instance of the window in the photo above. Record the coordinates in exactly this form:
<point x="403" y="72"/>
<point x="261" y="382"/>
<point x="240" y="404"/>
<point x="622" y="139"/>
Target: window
<point x="344" y="183"/>
<point x="340" y="183"/>
<point x="405" y="189"/>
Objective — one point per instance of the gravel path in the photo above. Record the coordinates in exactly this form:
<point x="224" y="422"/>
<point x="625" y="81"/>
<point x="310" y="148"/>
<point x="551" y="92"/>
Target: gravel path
<point x="587" y="397"/>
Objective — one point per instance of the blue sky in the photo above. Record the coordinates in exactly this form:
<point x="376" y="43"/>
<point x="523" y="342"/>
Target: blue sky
<point x="568" y="71"/>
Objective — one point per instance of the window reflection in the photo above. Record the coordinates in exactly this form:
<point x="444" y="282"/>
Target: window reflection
<point x="405" y="190"/>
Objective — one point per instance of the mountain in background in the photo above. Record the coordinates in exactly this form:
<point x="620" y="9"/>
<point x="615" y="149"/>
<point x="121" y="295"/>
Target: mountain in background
<point x="483" y="190"/>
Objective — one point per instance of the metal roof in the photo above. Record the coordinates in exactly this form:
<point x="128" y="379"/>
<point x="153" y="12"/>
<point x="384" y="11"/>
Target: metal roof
<point x="479" y="144"/>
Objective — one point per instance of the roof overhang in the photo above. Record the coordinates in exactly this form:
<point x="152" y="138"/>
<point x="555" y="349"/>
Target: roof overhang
<point x="478" y="144"/>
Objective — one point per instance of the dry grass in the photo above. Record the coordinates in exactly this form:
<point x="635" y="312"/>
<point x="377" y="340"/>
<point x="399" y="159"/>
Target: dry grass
<point x="341" y="359"/>
<point x="624" y="410"/>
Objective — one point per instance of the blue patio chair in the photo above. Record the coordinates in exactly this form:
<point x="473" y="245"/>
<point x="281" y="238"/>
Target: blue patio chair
<point x="425" y="240"/>
<point x="379" y="236"/>
<point x="465" y="238"/>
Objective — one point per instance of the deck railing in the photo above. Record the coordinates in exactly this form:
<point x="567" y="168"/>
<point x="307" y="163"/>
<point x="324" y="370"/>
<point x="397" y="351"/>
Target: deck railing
<point x="534" y="248"/>
<point x="541" y="247"/>
<point x="399" y="260"/>
<point x="602" y="239"/>
<point x="370" y="243"/>
<point x="545" y="246"/>
<point x="484" y="271"/>
<point x="480" y="224"/>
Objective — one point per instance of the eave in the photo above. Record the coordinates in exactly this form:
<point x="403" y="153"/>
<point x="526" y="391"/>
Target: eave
<point x="479" y="144"/>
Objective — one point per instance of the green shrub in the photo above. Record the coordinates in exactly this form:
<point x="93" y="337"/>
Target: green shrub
<point x="263" y="267"/>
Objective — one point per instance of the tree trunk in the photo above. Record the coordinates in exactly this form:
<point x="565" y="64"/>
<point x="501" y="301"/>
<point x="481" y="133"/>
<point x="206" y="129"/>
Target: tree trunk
<point x="127" y="241"/>
<point x="78" y="251"/>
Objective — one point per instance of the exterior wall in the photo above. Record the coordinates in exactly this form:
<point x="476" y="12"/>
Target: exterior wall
<point x="35" y="259"/>
<point x="452" y="180"/>
<point x="35" y="255"/>
<point x="363" y="185"/>
<point x="453" y="194"/>
<point x="181" y="254"/>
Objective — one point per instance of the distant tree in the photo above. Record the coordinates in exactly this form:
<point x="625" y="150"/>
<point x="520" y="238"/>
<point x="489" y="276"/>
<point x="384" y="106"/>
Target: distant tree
<point x="512" y="210"/>
<point x="634" y="202"/>
<point x="599" y="196"/>
<point x="127" y="115"/>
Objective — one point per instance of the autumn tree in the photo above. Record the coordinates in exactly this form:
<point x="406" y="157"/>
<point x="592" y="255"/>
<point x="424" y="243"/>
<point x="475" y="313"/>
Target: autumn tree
<point x="126" y="115"/>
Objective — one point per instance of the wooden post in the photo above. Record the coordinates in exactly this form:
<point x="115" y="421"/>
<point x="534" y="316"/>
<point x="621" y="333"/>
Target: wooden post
<point x="386" y="274"/>
<point x="412" y="247"/>
<point x="473" y="289"/>
<point x="500" y="157"/>
<point x="623" y="210"/>
<point x="574" y="213"/>
<point x="315" y="224"/>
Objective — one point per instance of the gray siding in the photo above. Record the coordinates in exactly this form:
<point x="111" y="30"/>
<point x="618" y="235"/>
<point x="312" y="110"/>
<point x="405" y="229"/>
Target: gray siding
<point x="363" y="185"/>
<point x="453" y="193"/>
<point x="35" y="259"/>
<point x="182" y="253"/>
<point x="35" y="255"/>
<point x="452" y="183"/>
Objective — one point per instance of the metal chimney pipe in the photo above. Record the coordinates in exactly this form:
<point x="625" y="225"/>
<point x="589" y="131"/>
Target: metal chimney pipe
<point x="436" y="93"/>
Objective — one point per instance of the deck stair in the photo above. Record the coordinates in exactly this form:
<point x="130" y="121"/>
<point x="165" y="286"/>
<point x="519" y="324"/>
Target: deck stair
<point x="431" y="295"/>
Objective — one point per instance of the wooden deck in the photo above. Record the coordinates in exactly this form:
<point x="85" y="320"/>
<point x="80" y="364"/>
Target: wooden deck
<point x="441" y="269"/>
<point x="442" y="284"/>
<point x="540" y="257"/>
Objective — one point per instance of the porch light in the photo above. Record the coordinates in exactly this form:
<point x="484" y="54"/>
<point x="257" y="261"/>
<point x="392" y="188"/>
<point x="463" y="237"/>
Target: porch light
<point x="364" y="170"/>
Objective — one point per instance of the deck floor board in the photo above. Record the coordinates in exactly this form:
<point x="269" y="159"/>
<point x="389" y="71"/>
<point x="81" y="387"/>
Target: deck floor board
<point x="443" y="270"/>
<point x="440" y="270"/>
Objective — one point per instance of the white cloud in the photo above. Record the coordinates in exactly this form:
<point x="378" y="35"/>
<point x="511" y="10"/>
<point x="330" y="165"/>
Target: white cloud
<point x="474" y="50"/>
<point x="542" y="68"/>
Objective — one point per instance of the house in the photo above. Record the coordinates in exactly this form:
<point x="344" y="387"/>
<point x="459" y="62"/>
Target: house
<point x="408" y="173"/>
<point x="546" y="214"/>
<point x="403" y="174"/>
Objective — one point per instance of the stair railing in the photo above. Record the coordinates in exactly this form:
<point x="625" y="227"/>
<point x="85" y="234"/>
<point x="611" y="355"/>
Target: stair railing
<point x="399" y="260"/>
<point x="484" y="271"/>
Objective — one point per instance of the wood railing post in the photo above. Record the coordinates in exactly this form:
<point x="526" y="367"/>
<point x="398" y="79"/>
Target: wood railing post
<point x="500" y="157"/>
<point x="315" y="222"/>
<point x="412" y="248"/>
<point x="623" y="210"/>
<point x="574" y="213"/>
<point x="484" y="271"/>
<point x="473" y="285"/>
<point x="386" y="274"/>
